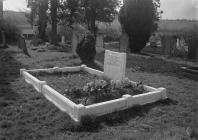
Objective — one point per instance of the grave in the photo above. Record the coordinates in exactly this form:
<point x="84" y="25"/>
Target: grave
<point x="115" y="65"/>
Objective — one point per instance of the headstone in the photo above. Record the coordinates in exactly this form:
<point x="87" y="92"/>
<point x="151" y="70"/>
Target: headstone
<point x="115" y="65"/>
<point x="99" y="41"/>
<point x="22" y="45"/>
<point x="63" y="39"/>
<point x="124" y="43"/>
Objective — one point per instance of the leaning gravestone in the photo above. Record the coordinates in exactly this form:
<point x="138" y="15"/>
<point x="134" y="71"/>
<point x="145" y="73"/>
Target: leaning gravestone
<point x="115" y="65"/>
<point x="22" y="45"/>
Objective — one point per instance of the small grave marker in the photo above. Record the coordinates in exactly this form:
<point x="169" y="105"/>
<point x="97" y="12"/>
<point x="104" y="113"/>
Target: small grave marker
<point x="22" y="45"/>
<point x="115" y="65"/>
<point x="63" y="39"/>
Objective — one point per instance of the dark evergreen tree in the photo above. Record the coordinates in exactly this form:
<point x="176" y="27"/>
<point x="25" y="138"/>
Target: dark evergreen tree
<point x="139" y="20"/>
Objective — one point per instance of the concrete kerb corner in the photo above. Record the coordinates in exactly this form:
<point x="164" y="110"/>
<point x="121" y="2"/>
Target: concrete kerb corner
<point x="126" y="98"/>
<point x="21" y="71"/>
<point x="80" y="111"/>
<point x="41" y="84"/>
<point x="82" y="67"/>
<point x="163" y="92"/>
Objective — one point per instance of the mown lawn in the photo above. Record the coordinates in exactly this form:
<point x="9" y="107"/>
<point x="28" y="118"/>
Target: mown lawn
<point x="26" y="114"/>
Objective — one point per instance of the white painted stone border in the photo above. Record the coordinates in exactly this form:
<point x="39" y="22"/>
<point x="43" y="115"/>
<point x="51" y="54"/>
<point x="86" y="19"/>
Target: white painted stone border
<point x="76" y="111"/>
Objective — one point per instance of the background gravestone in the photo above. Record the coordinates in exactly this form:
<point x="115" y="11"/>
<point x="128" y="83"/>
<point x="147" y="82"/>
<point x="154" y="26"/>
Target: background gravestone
<point x="115" y="65"/>
<point x="22" y="45"/>
<point x="63" y="39"/>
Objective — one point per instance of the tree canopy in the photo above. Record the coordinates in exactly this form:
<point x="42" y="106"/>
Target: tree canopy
<point x="88" y="11"/>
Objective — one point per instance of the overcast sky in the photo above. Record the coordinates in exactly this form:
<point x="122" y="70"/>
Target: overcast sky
<point x="173" y="9"/>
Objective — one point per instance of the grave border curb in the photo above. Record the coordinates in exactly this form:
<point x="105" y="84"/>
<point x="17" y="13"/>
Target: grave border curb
<point x="76" y="111"/>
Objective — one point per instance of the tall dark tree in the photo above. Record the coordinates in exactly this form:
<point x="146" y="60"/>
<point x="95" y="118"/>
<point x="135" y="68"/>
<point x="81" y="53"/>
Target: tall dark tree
<point x="39" y="7"/>
<point x="89" y="11"/>
<point x="69" y="12"/>
<point x="33" y="5"/>
<point x="42" y="22"/>
<point x="99" y="10"/>
<point x="53" y="10"/>
<point x="139" y="20"/>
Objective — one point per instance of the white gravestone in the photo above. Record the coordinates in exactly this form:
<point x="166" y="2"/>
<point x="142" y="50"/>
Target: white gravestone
<point x="115" y="65"/>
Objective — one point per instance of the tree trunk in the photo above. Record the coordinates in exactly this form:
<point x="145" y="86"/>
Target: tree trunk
<point x="1" y="9"/>
<point x="93" y="18"/>
<point x="54" y="5"/>
<point x="42" y="23"/>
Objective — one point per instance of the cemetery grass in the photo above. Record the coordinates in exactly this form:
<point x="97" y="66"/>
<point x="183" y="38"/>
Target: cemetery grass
<point x="26" y="114"/>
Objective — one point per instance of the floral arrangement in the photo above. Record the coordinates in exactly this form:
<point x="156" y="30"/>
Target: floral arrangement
<point x="103" y="90"/>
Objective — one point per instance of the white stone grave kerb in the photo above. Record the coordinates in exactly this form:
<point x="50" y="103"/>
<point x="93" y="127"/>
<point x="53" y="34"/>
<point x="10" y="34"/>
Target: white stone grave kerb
<point x="115" y="65"/>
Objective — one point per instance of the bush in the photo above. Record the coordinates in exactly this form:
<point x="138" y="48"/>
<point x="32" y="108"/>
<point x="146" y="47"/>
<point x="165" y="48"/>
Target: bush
<point x="86" y="49"/>
<point x="11" y="31"/>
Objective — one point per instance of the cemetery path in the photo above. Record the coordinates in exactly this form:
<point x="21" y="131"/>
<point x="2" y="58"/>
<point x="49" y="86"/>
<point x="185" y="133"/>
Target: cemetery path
<point x="26" y="114"/>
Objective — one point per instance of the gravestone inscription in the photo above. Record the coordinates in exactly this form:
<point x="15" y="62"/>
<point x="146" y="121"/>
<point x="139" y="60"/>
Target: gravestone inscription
<point x="115" y="65"/>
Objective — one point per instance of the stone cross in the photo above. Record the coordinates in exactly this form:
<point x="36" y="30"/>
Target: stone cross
<point x="115" y="65"/>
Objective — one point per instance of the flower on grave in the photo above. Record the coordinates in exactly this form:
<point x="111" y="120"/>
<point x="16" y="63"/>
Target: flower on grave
<point x="126" y="82"/>
<point x="95" y="88"/>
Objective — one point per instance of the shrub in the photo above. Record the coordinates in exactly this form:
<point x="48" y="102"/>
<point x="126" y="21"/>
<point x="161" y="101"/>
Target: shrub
<point x="11" y="31"/>
<point x="86" y="49"/>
